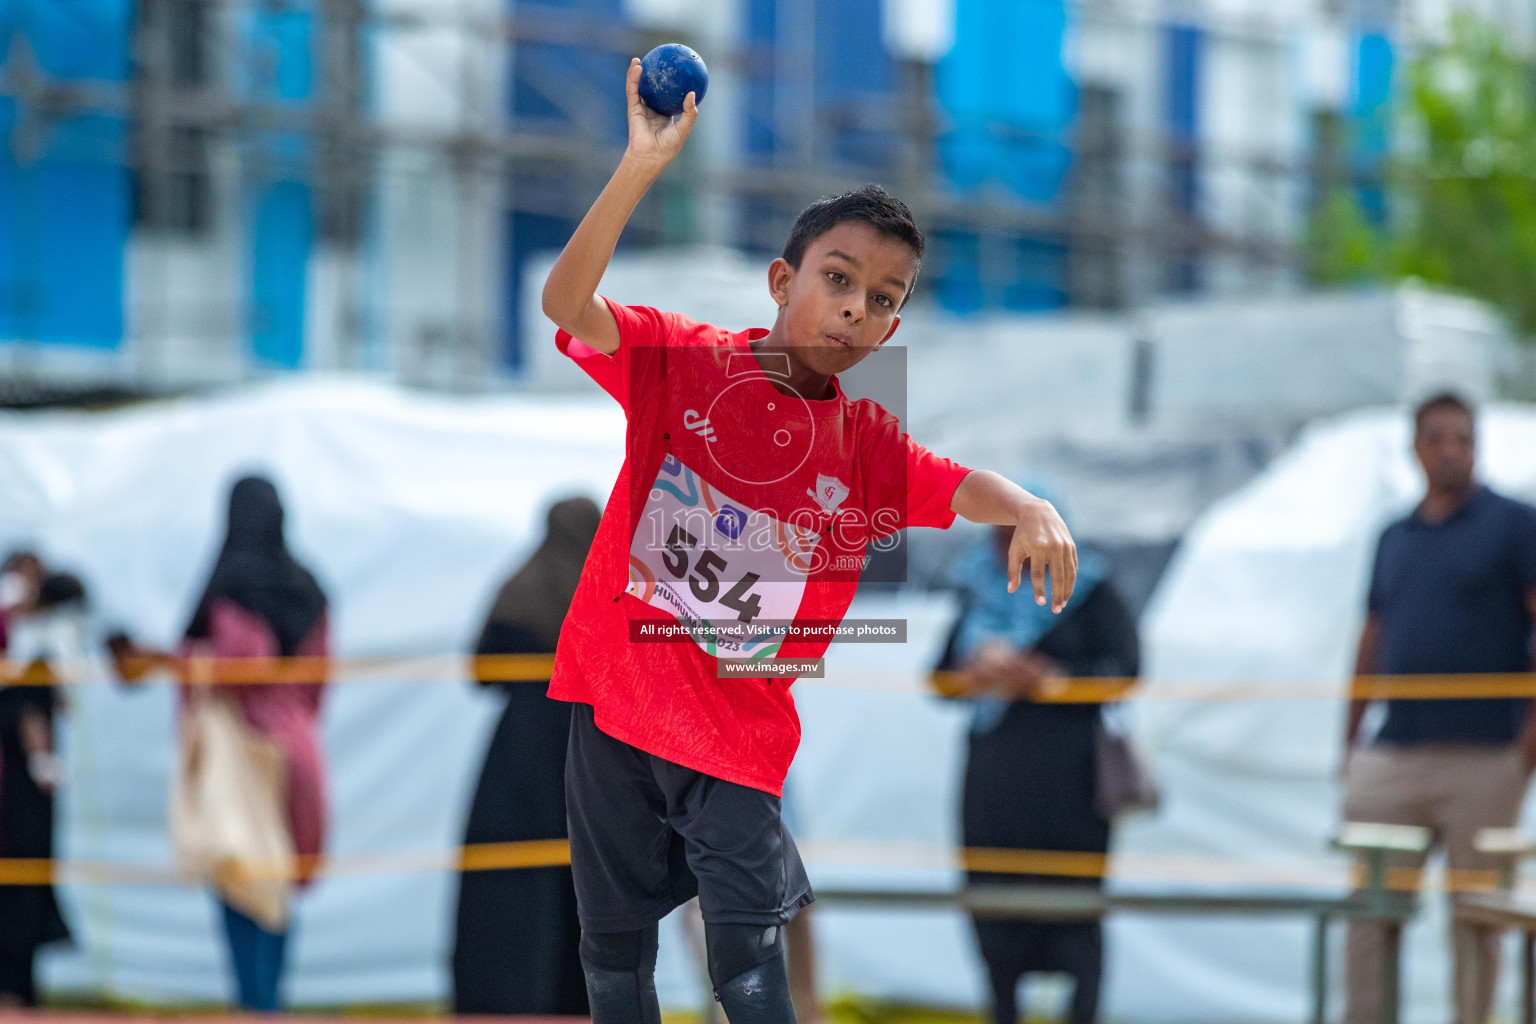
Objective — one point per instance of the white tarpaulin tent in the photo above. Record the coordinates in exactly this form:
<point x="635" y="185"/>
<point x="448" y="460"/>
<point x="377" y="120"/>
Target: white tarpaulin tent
<point x="411" y="509"/>
<point x="1270" y="585"/>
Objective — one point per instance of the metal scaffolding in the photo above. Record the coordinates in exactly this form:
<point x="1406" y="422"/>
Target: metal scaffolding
<point x="198" y="115"/>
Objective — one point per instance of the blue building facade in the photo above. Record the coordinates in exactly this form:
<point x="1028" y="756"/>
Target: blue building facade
<point x="1007" y="102"/>
<point x="277" y="196"/>
<point x="543" y="78"/>
<point x="65" y="190"/>
<point x="820" y="95"/>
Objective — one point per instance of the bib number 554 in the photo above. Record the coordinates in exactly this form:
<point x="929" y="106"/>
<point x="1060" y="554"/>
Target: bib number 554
<point x="704" y="580"/>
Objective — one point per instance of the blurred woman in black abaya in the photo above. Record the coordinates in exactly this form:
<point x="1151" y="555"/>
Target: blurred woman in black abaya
<point x="516" y="934"/>
<point x="30" y="772"/>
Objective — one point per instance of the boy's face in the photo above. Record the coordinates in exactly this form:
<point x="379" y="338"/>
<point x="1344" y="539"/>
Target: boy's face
<point x="842" y="303"/>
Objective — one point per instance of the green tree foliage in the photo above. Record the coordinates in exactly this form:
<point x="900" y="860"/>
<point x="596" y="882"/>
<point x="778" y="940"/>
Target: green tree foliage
<point x="1343" y="246"/>
<point x="1462" y="186"/>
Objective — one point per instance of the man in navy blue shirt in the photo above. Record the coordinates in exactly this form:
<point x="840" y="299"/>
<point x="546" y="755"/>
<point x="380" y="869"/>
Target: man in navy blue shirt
<point x="1453" y="592"/>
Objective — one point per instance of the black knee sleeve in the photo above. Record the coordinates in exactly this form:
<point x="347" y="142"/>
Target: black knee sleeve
<point x="749" y="972"/>
<point x="734" y="948"/>
<point x="620" y="968"/>
<point x="619" y="951"/>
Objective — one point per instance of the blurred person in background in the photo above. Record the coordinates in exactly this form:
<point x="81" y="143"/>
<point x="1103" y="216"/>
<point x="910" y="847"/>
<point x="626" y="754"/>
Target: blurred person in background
<point x="260" y="602"/>
<point x="1453" y="591"/>
<point x="21" y="576"/>
<point x="39" y="610"/>
<point x="1031" y="774"/>
<point x="516" y="933"/>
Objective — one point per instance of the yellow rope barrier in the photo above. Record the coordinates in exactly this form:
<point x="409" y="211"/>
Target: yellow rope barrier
<point x="546" y="853"/>
<point x="508" y="668"/>
<point x="540" y="853"/>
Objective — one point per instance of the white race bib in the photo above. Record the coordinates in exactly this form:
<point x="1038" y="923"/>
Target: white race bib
<point x="732" y="575"/>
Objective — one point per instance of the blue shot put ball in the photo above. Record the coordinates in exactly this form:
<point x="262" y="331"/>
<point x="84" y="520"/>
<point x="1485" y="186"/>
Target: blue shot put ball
<point x="668" y="74"/>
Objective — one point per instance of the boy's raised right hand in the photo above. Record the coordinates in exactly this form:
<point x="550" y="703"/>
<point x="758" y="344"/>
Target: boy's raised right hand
<point x="570" y="292"/>
<point x="654" y="139"/>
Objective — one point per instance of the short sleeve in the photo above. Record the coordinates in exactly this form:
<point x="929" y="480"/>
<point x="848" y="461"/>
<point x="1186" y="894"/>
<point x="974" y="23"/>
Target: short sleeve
<point x="1525" y="546"/>
<point x="906" y="484"/>
<point x="643" y="332"/>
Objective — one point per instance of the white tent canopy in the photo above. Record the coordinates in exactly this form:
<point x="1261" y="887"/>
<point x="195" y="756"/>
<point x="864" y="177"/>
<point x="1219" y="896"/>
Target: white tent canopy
<point x="1270" y="585"/>
<point x="411" y="509"/>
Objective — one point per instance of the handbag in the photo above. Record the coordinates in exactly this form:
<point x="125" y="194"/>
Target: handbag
<point x="229" y="810"/>
<point x="1122" y="784"/>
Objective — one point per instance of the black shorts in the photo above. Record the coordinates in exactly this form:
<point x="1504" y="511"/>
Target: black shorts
<point x="647" y="835"/>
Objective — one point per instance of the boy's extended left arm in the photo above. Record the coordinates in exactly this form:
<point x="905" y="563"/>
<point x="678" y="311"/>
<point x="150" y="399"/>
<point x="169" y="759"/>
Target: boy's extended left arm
<point x="1040" y="538"/>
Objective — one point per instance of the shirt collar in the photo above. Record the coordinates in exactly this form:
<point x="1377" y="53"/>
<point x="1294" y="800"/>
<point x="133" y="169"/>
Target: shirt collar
<point x="825" y="406"/>
<point x="1474" y="498"/>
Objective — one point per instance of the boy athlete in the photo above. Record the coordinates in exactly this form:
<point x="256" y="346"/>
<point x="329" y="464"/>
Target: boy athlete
<point x="750" y="491"/>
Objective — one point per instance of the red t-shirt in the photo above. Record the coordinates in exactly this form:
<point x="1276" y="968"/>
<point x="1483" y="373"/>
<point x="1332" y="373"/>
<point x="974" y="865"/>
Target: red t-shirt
<point x="737" y="504"/>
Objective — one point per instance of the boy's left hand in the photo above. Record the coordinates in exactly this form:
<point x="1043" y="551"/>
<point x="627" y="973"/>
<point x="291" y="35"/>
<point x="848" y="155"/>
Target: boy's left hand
<point x="1041" y="543"/>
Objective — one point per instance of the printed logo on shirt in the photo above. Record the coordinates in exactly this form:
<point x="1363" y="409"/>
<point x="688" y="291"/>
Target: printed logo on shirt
<point x="699" y="425"/>
<point x="829" y="492"/>
<point x="731" y="522"/>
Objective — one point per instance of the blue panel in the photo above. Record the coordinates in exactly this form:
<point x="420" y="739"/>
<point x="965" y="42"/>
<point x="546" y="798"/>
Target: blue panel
<point x="566" y="85"/>
<point x="759" y="31"/>
<point x="1370" y="112"/>
<point x="1182" y="100"/>
<point x="80" y="253"/>
<point x="531" y="233"/>
<point x="567" y="88"/>
<point x="761" y="21"/>
<point x="279" y="61"/>
<point x="958" y="286"/>
<point x="1039" y="276"/>
<point x="65" y="204"/>
<point x="1184" y="48"/>
<point x="1006" y="93"/>
<point x="78" y="38"/>
<point x="12" y="287"/>
<point x="280" y="238"/>
<point x="1182" y="111"/>
<point x="854" y="74"/>
<point x="851" y="58"/>
<point x="1373" y="78"/>
<point x="279" y="67"/>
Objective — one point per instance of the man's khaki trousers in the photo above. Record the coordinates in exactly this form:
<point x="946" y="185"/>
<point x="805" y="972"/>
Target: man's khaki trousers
<point x="1455" y="789"/>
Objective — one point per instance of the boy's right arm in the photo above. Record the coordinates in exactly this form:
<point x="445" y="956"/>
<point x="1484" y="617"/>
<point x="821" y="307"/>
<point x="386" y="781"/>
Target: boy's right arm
<point x="570" y="292"/>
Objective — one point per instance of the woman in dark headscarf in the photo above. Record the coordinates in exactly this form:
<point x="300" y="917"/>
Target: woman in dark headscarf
<point x="261" y="603"/>
<point x="516" y="932"/>
<point x="1030" y="772"/>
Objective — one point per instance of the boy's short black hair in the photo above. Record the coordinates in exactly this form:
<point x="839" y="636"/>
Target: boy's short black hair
<point x="1441" y="400"/>
<point x="870" y="205"/>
